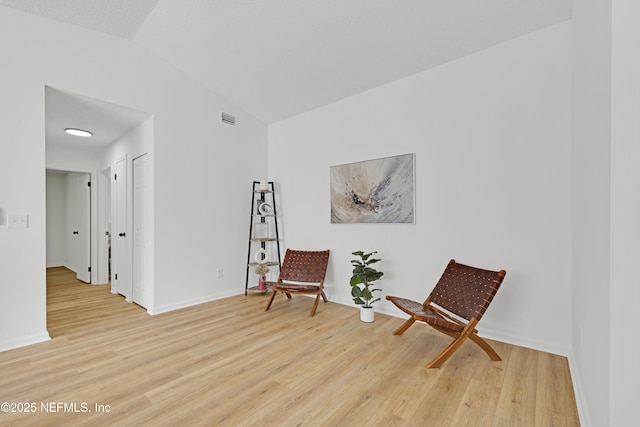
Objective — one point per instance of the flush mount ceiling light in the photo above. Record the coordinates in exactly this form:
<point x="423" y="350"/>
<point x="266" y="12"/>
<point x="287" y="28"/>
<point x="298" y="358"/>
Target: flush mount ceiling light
<point x="78" y="132"/>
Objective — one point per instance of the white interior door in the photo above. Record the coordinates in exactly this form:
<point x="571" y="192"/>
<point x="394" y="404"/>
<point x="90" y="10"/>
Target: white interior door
<point x="119" y="239"/>
<point x="72" y="245"/>
<point x="82" y="232"/>
<point x="140" y="221"/>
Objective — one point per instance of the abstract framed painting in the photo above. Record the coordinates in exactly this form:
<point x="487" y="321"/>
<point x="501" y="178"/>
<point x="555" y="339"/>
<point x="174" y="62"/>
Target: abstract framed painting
<point x="374" y="191"/>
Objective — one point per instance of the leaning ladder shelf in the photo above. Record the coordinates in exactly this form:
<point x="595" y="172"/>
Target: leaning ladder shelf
<point x="263" y="231"/>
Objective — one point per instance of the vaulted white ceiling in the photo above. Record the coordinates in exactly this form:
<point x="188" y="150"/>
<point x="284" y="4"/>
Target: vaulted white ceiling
<point x="279" y="58"/>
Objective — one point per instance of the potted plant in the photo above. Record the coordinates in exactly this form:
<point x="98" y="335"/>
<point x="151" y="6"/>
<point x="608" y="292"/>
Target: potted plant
<point x="261" y="270"/>
<point x="361" y="283"/>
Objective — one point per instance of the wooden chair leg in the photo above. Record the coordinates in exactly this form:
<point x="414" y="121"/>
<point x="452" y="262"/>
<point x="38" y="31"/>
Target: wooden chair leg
<point x="315" y="306"/>
<point x="485" y="346"/>
<point x="406" y="325"/>
<point x="446" y="353"/>
<point x="455" y="344"/>
<point x="273" y="295"/>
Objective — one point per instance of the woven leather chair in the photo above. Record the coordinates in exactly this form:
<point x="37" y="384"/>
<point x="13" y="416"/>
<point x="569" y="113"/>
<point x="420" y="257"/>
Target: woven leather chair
<point x="302" y="272"/>
<point x="463" y="291"/>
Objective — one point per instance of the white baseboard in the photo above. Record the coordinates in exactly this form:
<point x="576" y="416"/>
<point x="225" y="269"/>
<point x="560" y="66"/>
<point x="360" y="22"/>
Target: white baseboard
<point x="544" y="346"/>
<point x="578" y="391"/>
<point x="24" y="341"/>
<point x="488" y="333"/>
<point x="188" y="303"/>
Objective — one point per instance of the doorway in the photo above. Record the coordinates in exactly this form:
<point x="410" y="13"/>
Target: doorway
<point x="68" y="203"/>
<point x="117" y="133"/>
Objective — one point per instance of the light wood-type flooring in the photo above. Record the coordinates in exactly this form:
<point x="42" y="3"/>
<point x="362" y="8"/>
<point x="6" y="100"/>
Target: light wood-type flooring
<point x="230" y="363"/>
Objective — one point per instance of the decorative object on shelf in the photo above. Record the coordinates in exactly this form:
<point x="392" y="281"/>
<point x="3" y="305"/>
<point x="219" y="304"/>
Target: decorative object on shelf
<point x="261" y="270"/>
<point x="260" y="230"/>
<point x="374" y="191"/>
<point x="265" y="209"/>
<point x="261" y="256"/>
<point x="264" y="243"/>
<point x="361" y="281"/>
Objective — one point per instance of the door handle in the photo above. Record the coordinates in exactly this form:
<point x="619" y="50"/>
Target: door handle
<point x="75" y="232"/>
<point x="122" y="234"/>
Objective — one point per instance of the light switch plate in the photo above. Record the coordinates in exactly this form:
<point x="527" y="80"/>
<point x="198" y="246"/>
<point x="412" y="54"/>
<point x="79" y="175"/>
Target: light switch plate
<point x="17" y="221"/>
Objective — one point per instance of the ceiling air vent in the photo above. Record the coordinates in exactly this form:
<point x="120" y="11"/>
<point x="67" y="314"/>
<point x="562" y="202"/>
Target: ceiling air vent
<point x="227" y="118"/>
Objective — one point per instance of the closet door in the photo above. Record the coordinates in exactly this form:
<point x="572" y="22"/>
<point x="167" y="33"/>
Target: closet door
<point x="140" y="232"/>
<point x="82" y="231"/>
<point x="119" y="239"/>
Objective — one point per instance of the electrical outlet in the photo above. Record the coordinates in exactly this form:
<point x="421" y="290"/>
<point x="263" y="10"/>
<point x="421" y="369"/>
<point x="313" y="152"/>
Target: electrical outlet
<point x="17" y="221"/>
<point x="219" y="273"/>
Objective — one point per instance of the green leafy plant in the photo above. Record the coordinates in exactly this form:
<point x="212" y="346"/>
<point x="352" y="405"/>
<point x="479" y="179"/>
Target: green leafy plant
<point x="363" y="276"/>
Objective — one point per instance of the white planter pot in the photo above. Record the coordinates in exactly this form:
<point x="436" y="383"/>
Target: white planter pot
<point x="367" y="314"/>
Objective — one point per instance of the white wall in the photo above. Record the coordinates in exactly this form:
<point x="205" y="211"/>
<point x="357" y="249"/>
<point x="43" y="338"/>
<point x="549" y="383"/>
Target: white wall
<point x="625" y="212"/>
<point x="22" y="172"/>
<point x="591" y="169"/>
<point x="71" y="160"/>
<point x="491" y="133"/>
<point x="202" y="169"/>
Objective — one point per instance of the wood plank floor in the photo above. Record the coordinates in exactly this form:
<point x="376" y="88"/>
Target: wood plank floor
<point x="230" y="363"/>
